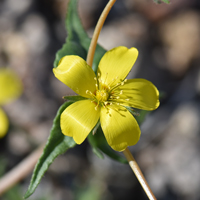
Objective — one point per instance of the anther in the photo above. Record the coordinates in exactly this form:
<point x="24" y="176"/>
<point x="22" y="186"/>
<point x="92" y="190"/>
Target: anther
<point x="105" y="103"/>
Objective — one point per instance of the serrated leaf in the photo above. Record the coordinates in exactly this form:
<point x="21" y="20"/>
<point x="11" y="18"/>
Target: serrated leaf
<point x="99" y="144"/>
<point x="57" y="144"/>
<point x="74" y="98"/>
<point x="77" y="42"/>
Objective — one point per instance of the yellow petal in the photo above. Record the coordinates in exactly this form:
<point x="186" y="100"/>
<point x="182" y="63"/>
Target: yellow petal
<point x="117" y="63"/>
<point x="10" y="86"/>
<point x="142" y="94"/>
<point x="3" y="123"/>
<point x="79" y="119"/>
<point x="76" y="74"/>
<point x="120" y="127"/>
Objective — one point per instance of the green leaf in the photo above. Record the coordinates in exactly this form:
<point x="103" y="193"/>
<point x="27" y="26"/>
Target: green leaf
<point x="141" y="117"/>
<point x="57" y="144"/>
<point x="77" y="42"/>
<point x="99" y="145"/>
<point x="70" y="48"/>
<point x="160" y="1"/>
<point x="166" y="1"/>
<point x="93" y="142"/>
<point x="74" y="98"/>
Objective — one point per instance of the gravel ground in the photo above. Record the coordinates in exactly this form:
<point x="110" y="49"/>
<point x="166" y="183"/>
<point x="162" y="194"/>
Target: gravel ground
<point x="168" y="39"/>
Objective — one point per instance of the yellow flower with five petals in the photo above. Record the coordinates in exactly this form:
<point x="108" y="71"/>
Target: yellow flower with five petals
<point x="10" y="89"/>
<point x="107" y="96"/>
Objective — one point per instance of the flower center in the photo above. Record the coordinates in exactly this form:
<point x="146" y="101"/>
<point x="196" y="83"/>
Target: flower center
<point x="108" y="94"/>
<point x="102" y="95"/>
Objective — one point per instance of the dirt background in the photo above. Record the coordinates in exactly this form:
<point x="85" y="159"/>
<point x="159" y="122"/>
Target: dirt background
<point x="168" y="40"/>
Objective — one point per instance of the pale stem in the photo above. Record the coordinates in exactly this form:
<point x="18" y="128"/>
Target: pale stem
<point x="136" y="169"/>
<point x="20" y="171"/>
<point x="133" y="164"/>
<point x="97" y="31"/>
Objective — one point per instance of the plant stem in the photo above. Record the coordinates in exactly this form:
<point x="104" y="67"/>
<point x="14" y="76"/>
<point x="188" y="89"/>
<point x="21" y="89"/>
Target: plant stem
<point x="20" y="171"/>
<point x="136" y="169"/>
<point x="97" y="31"/>
<point x="133" y="164"/>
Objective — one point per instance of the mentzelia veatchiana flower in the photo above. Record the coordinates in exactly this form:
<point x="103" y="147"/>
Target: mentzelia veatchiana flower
<point x="106" y="97"/>
<point x="10" y="89"/>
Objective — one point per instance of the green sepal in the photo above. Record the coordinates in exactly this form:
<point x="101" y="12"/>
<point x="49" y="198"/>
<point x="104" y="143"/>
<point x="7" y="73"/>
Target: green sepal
<point x="99" y="145"/>
<point x="74" y="98"/>
<point x="77" y="41"/>
<point x="57" y="144"/>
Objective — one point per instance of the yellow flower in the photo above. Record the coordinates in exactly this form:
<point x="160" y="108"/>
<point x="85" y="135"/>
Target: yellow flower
<point x="11" y="88"/>
<point x="106" y="97"/>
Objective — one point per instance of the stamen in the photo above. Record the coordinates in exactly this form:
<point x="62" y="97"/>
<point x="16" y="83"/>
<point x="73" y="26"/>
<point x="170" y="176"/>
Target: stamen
<point x="105" y="77"/>
<point x="96" y="107"/>
<point x="105" y="103"/>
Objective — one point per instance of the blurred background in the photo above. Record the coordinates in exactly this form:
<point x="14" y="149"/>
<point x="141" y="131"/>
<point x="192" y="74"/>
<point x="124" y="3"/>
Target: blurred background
<point x="168" y="39"/>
